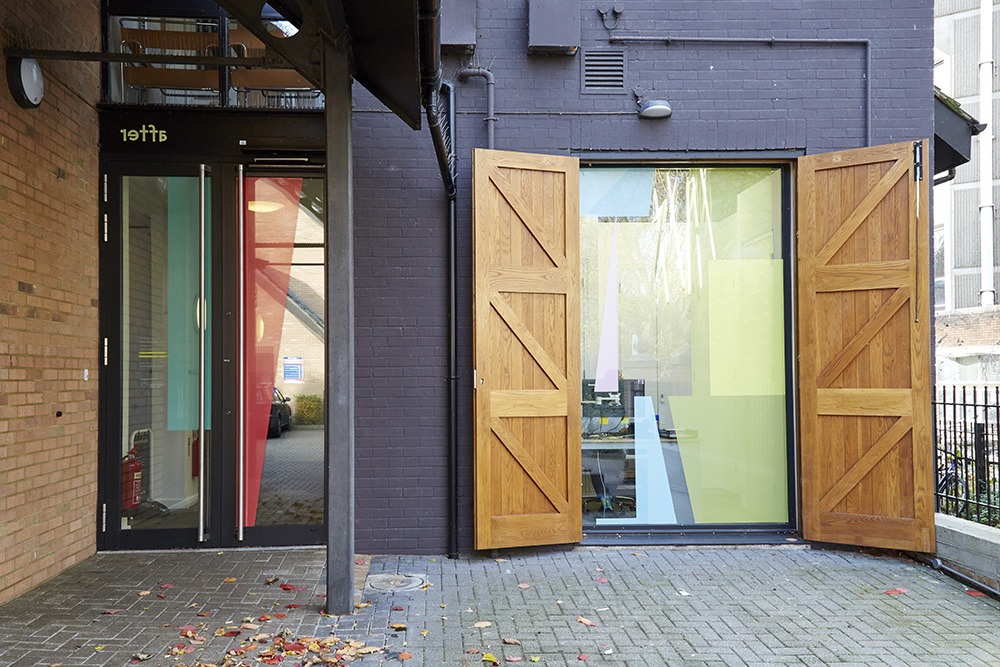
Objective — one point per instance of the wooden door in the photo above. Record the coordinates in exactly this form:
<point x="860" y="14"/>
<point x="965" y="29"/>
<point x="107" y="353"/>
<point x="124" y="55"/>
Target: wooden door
<point x="526" y="349"/>
<point x="864" y="348"/>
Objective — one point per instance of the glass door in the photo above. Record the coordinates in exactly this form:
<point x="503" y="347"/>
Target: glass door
<point x="165" y="351"/>
<point x="282" y="343"/>
<point x="213" y="431"/>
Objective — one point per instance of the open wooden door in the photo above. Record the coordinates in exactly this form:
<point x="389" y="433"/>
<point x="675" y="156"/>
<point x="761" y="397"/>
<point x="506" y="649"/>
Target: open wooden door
<point x="864" y="348"/>
<point x="526" y="349"/>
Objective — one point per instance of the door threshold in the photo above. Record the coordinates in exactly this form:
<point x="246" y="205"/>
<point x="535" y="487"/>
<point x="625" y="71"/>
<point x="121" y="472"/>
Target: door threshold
<point x="693" y="538"/>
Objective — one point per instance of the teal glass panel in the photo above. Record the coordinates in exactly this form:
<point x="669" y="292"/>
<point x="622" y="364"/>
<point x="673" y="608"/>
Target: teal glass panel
<point x="183" y="267"/>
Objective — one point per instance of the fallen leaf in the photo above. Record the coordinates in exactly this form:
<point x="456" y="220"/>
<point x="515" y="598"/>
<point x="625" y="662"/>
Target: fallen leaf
<point x="139" y="657"/>
<point x="362" y="605"/>
<point x="98" y="648"/>
<point x="482" y="624"/>
<point x="636" y="553"/>
<point x="229" y="580"/>
<point x="489" y="657"/>
<point x="535" y="658"/>
<point x="192" y="605"/>
<point x="398" y="626"/>
<point x="167" y="586"/>
<point x="559" y="601"/>
<point x="524" y="585"/>
<point x="472" y="651"/>
<point x="141" y="593"/>
<point x="601" y="580"/>
<point x="298" y="588"/>
<point x="204" y="613"/>
<point x="187" y="628"/>
<point x="264" y="618"/>
<point x="361" y="561"/>
<point x="582" y="656"/>
<point x="424" y="632"/>
<point x="292" y="606"/>
<point x="512" y="642"/>
<point x="111" y="611"/>
<point x="232" y="633"/>
<point x="250" y="626"/>
<point x="975" y="594"/>
<point x="897" y="591"/>
<point x="278" y="614"/>
<point x="321" y="595"/>
<point x="500" y="560"/>
<point x="161" y="596"/>
<point x="368" y="650"/>
<point x="682" y="591"/>
<point x="514" y="658"/>
<point x="585" y="621"/>
<point x="405" y="655"/>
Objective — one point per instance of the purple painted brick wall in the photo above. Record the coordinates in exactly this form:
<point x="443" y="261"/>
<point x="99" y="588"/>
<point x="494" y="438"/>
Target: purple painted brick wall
<point x="736" y="98"/>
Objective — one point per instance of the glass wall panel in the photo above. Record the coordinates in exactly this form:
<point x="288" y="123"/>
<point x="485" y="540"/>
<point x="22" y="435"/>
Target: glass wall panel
<point x="199" y="85"/>
<point x="683" y="334"/>
<point x="161" y="365"/>
<point x="284" y="338"/>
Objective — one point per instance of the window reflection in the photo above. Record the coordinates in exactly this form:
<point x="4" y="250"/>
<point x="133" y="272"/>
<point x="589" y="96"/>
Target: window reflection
<point x="682" y="342"/>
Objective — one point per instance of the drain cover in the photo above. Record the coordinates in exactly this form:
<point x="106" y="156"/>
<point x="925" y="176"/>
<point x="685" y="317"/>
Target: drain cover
<point x="395" y="582"/>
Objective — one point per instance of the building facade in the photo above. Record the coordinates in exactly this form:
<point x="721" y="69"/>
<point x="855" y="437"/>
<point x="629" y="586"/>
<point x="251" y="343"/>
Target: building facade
<point x="657" y="342"/>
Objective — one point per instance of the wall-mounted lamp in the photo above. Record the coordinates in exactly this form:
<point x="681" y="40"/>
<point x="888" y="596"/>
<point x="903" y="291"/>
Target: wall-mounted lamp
<point x="24" y="78"/>
<point x="655" y="109"/>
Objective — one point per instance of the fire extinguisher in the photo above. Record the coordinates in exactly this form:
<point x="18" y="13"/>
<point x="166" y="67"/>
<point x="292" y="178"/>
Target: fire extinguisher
<point x="131" y="480"/>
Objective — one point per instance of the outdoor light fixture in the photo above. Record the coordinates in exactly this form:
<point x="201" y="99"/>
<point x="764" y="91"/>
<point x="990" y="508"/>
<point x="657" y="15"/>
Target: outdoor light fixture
<point x="654" y="109"/>
<point x="24" y="78"/>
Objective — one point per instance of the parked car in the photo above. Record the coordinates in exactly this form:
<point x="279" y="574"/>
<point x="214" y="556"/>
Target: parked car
<point x="281" y="414"/>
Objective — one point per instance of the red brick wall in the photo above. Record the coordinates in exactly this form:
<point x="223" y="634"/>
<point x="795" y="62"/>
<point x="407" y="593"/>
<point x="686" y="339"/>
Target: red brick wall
<point x="968" y="327"/>
<point x="48" y="300"/>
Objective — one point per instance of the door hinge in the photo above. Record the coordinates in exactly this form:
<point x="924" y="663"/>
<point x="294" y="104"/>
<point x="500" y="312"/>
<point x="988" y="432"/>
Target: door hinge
<point x="918" y="160"/>
<point x="104" y="518"/>
<point x="105" y="227"/>
<point x="474" y="382"/>
<point x="105" y="351"/>
<point x="105" y="188"/>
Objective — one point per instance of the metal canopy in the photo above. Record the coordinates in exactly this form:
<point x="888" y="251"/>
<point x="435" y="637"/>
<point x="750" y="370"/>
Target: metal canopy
<point x="383" y="41"/>
<point x="953" y="132"/>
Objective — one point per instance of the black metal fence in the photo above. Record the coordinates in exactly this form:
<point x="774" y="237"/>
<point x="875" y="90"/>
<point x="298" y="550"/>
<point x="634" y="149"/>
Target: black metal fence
<point x="967" y="432"/>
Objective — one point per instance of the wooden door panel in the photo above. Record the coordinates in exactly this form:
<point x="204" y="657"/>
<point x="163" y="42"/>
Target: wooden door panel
<point x="526" y="349"/>
<point x="867" y="474"/>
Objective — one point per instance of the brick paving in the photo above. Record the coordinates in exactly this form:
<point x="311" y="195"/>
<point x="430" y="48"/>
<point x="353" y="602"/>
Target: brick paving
<point x="694" y="606"/>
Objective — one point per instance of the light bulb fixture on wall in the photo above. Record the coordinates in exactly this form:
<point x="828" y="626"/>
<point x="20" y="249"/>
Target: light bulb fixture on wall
<point x="24" y="79"/>
<point x="655" y="109"/>
<point x="649" y="107"/>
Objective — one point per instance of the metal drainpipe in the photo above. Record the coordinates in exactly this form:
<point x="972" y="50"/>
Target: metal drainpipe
<point x="444" y="149"/>
<point x="950" y="176"/>
<point x="491" y="119"/>
<point x="987" y="289"/>
<point x="936" y="564"/>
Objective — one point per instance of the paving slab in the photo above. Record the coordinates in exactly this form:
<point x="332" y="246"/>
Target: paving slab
<point x="647" y="606"/>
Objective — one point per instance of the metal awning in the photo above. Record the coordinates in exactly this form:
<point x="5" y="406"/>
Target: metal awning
<point x="383" y="40"/>
<point x="953" y="132"/>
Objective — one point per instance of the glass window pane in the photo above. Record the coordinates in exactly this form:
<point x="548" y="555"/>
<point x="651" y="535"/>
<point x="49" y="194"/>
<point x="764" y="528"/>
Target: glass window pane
<point x="284" y="357"/>
<point x="682" y="341"/>
<point x="161" y="367"/>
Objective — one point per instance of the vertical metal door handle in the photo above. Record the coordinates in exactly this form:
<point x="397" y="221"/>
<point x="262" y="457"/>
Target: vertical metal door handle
<point x="241" y="361"/>
<point x="201" y="352"/>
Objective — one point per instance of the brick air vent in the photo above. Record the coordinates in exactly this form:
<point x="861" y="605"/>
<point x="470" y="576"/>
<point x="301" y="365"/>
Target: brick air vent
<point x="603" y="71"/>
